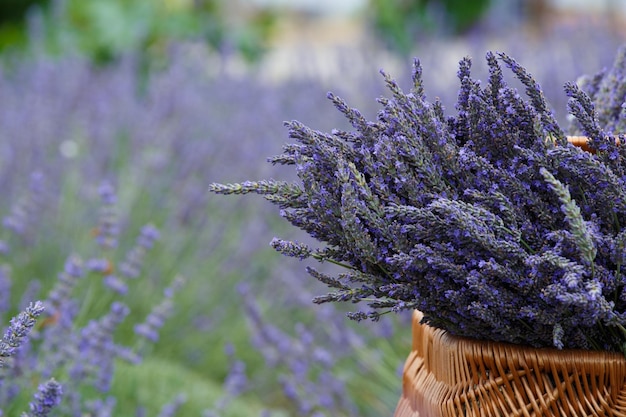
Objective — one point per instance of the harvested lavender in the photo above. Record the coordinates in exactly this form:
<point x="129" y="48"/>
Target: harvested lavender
<point x="488" y="221"/>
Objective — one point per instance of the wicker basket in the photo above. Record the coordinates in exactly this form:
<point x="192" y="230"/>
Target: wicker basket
<point x="581" y="142"/>
<point x="447" y="376"/>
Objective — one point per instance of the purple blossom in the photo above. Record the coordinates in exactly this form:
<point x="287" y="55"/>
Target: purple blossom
<point x="108" y="229"/>
<point x="132" y="264"/>
<point x="65" y="284"/>
<point x="100" y="265"/>
<point x="115" y="284"/>
<point x="102" y="407"/>
<point x="23" y="212"/>
<point x="47" y="397"/>
<point x="170" y="410"/>
<point x="97" y="349"/>
<point x="298" y="364"/>
<point x="5" y="288"/>
<point x="149" y="329"/>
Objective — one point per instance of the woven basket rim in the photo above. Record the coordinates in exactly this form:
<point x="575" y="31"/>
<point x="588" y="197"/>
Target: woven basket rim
<point x="499" y="347"/>
<point x="452" y="376"/>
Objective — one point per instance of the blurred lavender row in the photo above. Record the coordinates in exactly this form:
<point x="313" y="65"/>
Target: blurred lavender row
<point x="150" y="144"/>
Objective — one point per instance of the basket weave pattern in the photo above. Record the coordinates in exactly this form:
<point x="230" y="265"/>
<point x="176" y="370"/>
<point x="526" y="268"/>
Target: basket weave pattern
<point x="448" y="376"/>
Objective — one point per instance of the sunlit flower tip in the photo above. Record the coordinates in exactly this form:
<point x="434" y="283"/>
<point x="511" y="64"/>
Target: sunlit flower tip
<point x="47" y="397"/>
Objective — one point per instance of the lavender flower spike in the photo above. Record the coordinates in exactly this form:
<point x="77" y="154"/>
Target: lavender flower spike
<point x="574" y="218"/>
<point x="108" y="228"/>
<point x="297" y="250"/>
<point x="149" y="329"/>
<point x="170" y="410"/>
<point x="131" y="267"/>
<point x="18" y="329"/>
<point x="48" y="397"/>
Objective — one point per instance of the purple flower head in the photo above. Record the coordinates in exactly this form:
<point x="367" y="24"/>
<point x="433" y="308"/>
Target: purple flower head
<point x="149" y="329"/>
<point x="100" y="265"/>
<point x="170" y="410"/>
<point x="24" y="211"/>
<point x="5" y="288"/>
<point x="4" y="248"/>
<point x="67" y="280"/>
<point x="47" y="397"/>
<point x="116" y="284"/>
<point x="73" y="267"/>
<point x="107" y="194"/>
<point x="133" y="263"/>
<point x="149" y="234"/>
<point x="108" y="228"/>
<point x="96" y="349"/>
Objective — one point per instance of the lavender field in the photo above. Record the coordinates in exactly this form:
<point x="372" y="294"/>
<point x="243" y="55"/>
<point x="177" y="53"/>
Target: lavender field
<point x="163" y="299"/>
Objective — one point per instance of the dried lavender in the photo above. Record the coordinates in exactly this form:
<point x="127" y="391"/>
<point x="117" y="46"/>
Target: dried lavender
<point x="488" y="221"/>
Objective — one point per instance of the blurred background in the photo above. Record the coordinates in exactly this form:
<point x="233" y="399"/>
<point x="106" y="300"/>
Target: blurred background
<point x="272" y="32"/>
<point x="160" y="98"/>
<point x="320" y="40"/>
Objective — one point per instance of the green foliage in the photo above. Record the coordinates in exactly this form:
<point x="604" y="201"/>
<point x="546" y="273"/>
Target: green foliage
<point x="15" y="10"/>
<point x="107" y="29"/>
<point x="400" y="22"/>
<point x="13" y="15"/>
<point x="157" y="381"/>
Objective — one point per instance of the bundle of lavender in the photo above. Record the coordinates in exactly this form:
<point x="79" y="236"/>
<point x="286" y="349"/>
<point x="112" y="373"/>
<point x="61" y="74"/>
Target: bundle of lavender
<point x="488" y="221"/>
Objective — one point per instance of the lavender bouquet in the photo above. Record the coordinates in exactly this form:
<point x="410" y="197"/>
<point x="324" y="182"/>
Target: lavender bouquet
<point x="488" y="221"/>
